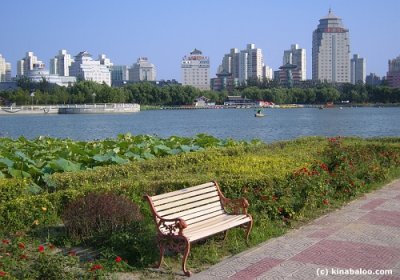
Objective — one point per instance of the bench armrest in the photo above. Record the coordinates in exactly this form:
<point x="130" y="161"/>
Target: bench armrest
<point x="235" y="206"/>
<point x="171" y="226"/>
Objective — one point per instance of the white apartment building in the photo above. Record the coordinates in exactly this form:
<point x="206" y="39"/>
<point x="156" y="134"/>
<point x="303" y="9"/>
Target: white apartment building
<point x="26" y="64"/>
<point x="5" y="70"/>
<point x="245" y="64"/>
<point x="142" y="70"/>
<point x="85" y="68"/>
<point x="59" y="65"/>
<point x="251" y="63"/>
<point x="296" y="56"/>
<point x="196" y="70"/>
<point x="357" y="70"/>
<point x="331" y="50"/>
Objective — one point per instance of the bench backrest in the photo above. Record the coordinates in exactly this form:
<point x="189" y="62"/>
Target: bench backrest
<point x="194" y="204"/>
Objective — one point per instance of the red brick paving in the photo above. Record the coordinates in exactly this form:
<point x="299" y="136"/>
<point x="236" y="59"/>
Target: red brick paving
<point x="373" y="203"/>
<point x="256" y="269"/>
<point x="345" y="254"/>
<point x="382" y="218"/>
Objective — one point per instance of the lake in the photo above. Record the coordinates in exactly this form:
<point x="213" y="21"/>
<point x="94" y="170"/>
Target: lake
<point x="278" y="124"/>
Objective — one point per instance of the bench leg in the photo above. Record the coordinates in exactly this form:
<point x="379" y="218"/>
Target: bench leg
<point x="184" y="258"/>
<point x="249" y="227"/>
<point x="161" y="247"/>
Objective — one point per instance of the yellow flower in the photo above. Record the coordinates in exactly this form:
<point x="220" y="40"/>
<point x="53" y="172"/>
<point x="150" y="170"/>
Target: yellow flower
<point x="44" y="209"/>
<point x="35" y="222"/>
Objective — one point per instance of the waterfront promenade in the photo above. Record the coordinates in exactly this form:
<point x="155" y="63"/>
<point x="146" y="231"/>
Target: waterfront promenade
<point x="362" y="237"/>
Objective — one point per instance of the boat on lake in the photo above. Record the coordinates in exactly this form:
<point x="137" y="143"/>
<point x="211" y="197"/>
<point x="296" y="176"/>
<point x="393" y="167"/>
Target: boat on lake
<point x="259" y="114"/>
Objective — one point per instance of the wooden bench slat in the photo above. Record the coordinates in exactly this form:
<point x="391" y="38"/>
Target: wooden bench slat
<point x="192" y="211"/>
<point x="208" y="216"/>
<point x="191" y="206"/>
<point x="189" y="200"/>
<point x="185" y="195"/>
<point x="190" y="189"/>
<point x="218" y="221"/>
<point x="213" y="230"/>
<point x="209" y="211"/>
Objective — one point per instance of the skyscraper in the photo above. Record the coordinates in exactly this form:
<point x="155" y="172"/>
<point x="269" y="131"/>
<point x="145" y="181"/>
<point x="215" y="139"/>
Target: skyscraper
<point x="59" y="65"/>
<point x="245" y="64"/>
<point x="251" y="63"/>
<point x="296" y="56"/>
<point x="393" y="75"/>
<point x="142" y="70"/>
<point x="5" y="70"/>
<point x="331" y="50"/>
<point x="196" y="70"/>
<point x="357" y="70"/>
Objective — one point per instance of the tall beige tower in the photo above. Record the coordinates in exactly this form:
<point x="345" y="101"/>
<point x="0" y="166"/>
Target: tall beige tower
<point x="331" y="51"/>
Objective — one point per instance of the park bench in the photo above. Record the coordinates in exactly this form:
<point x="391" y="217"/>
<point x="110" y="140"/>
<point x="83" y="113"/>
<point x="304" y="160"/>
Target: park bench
<point x="191" y="214"/>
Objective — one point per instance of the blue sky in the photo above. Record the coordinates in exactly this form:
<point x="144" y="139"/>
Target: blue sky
<point x="166" y="30"/>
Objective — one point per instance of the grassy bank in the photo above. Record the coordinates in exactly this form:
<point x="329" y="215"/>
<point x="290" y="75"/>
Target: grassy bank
<point x="286" y="183"/>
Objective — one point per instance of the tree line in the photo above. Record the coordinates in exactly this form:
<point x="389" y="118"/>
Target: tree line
<point x="145" y="93"/>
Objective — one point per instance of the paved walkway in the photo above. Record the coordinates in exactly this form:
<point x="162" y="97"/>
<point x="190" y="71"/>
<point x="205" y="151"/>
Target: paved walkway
<point x="362" y="236"/>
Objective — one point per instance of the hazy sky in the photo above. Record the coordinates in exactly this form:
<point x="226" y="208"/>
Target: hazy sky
<point x="166" y="30"/>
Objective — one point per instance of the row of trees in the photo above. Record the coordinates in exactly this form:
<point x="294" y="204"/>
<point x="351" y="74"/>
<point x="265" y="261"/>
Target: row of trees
<point x="151" y="94"/>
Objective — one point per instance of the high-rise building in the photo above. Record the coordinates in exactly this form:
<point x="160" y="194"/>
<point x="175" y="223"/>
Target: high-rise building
<point x="196" y="70"/>
<point x="331" y="51"/>
<point x="142" y="70"/>
<point x="119" y="75"/>
<point x="393" y="75"/>
<point x="357" y="70"/>
<point x="27" y="64"/>
<point x="373" y="80"/>
<point x="85" y="68"/>
<point x="251" y="63"/>
<point x="296" y="56"/>
<point x="59" y="65"/>
<point x="5" y="70"/>
<point x="245" y="64"/>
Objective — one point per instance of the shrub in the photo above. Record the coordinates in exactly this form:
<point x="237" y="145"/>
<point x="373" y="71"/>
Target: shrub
<point x="99" y="215"/>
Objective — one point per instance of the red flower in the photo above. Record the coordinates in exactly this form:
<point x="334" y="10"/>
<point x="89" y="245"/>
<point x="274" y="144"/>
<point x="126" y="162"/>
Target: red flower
<point x="6" y="241"/>
<point x="21" y="245"/>
<point x="118" y="259"/>
<point x="96" y="267"/>
<point x="23" y="257"/>
<point x="274" y="198"/>
<point x="324" y="166"/>
<point x="2" y="273"/>
<point x="41" y="249"/>
<point x="325" y="201"/>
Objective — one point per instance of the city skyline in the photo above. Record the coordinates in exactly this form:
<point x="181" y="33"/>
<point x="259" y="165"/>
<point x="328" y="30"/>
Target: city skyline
<point x="166" y="31"/>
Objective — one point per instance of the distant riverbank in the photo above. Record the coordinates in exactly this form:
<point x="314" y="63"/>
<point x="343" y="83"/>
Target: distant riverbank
<point x="240" y="124"/>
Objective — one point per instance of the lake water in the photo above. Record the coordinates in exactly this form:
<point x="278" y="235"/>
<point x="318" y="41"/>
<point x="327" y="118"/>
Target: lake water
<point x="278" y="124"/>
